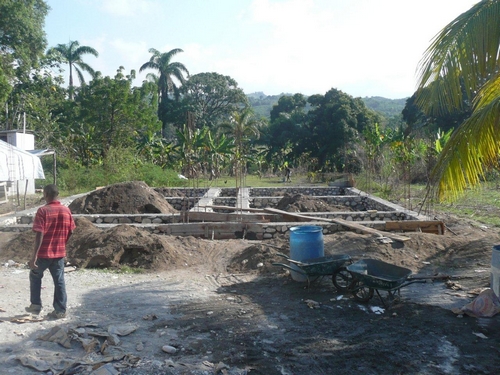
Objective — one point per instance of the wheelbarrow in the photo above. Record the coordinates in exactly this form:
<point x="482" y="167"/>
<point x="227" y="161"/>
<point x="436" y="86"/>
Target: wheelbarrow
<point x="314" y="268"/>
<point x="372" y="275"/>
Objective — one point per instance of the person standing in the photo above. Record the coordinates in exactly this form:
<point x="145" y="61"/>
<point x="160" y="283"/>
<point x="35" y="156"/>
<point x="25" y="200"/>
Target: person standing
<point x="53" y="225"/>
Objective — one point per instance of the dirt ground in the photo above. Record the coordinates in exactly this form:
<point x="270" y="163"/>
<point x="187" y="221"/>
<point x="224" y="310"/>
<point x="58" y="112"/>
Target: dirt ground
<point x="225" y="309"/>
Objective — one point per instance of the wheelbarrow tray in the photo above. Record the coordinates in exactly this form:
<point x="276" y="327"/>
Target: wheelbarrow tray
<point x="380" y="275"/>
<point x="318" y="266"/>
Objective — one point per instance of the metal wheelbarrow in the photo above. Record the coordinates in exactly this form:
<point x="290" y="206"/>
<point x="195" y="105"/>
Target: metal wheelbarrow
<point x="372" y="275"/>
<point x="333" y="265"/>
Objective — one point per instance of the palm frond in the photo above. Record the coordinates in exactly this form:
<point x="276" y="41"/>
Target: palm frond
<point x="461" y="58"/>
<point x="475" y="144"/>
<point x="85" y="50"/>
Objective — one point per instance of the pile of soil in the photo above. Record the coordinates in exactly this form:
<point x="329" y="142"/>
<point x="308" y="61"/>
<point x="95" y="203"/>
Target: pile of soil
<point x="134" y="197"/>
<point x="304" y="203"/>
<point x="122" y="245"/>
<point x="258" y="258"/>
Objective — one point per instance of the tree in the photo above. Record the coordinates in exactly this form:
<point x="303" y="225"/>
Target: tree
<point x="71" y="54"/>
<point x="218" y="149"/>
<point x="191" y="144"/>
<point x="460" y="66"/>
<point x="212" y="98"/>
<point x="288" y="104"/>
<point x="288" y="128"/>
<point x="22" y="40"/>
<point x="116" y="114"/>
<point x="168" y="90"/>
<point x="243" y="128"/>
<point x="335" y="120"/>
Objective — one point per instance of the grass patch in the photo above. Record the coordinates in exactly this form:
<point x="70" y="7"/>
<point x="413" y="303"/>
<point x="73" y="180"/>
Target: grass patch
<point x="482" y="205"/>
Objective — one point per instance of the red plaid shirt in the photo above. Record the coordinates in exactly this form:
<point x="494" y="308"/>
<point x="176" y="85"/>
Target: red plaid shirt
<point x="55" y="222"/>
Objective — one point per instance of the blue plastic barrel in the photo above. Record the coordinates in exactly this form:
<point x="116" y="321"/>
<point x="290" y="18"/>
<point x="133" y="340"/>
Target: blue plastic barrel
<point x="306" y="242"/>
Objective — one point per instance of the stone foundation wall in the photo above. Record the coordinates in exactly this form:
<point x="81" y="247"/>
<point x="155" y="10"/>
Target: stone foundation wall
<point x="311" y="191"/>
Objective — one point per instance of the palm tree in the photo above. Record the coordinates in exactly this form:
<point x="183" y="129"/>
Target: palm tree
<point x="167" y="88"/>
<point x="242" y="127"/>
<point x="462" y="65"/>
<point x="71" y="54"/>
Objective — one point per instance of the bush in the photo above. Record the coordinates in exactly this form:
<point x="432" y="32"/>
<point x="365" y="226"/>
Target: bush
<point x="120" y="165"/>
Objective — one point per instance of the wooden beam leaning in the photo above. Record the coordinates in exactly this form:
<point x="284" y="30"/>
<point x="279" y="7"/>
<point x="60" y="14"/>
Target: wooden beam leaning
<point x="345" y="223"/>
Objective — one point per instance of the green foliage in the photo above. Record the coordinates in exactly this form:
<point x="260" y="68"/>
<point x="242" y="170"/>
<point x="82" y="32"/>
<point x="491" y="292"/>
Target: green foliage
<point x="335" y="121"/>
<point x="22" y="40"/>
<point x="212" y="98"/>
<point x="118" y="166"/>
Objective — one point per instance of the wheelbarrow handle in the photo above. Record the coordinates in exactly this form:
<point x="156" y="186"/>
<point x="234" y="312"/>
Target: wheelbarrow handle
<point x="289" y="268"/>
<point x="283" y="256"/>
<point x="413" y="281"/>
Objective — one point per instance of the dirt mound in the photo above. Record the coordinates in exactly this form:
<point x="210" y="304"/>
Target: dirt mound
<point x="257" y="259"/>
<point x="303" y="203"/>
<point x="91" y="247"/>
<point x="123" y="198"/>
<point x="125" y="245"/>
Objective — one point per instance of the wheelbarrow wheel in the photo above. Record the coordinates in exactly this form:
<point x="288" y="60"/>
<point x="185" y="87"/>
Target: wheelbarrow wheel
<point x="341" y="279"/>
<point x="360" y="292"/>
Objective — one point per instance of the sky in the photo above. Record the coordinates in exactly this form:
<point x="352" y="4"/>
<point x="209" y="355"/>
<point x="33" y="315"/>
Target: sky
<point x="362" y="47"/>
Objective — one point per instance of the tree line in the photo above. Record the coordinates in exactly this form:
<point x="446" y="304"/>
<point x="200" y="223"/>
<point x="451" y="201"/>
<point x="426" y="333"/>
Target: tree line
<point x="203" y="125"/>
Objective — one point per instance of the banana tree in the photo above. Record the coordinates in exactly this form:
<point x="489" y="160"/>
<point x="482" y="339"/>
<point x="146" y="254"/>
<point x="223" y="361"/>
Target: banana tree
<point x="191" y="144"/>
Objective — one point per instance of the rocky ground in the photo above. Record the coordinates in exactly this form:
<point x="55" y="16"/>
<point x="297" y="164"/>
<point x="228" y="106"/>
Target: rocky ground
<point x="221" y="307"/>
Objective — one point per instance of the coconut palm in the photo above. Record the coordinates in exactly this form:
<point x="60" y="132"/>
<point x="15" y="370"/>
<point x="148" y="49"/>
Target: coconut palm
<point x="462" y="66"/>
<point x="168" y="70"/>
<point x="71" y="54"/>
<point x="243" y="127"/>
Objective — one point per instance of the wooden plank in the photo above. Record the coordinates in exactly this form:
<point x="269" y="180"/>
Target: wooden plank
<point x="432" y="226"/>
<point x="212" y="230"/>
<point x="345" y="223"/>
<point x="192" y="216"/>
<point x="231" y="208"/>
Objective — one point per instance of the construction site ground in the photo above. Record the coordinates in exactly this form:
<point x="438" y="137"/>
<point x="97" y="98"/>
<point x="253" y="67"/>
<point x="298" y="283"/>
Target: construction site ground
<point x="220" y="307"/>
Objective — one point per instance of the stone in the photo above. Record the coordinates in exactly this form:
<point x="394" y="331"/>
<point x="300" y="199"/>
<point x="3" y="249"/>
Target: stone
<point x="169" y="349"/>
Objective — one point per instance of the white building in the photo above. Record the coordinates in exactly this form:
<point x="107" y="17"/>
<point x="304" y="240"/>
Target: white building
<point x="18" y="167"/>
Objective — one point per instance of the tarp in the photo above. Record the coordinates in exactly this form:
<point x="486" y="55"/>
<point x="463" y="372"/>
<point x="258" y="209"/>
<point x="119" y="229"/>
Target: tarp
<point x="17" y="164"/>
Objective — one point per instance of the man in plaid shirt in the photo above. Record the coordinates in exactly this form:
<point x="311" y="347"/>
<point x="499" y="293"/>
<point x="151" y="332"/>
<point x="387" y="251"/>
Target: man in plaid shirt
<point x="53" y="226"/>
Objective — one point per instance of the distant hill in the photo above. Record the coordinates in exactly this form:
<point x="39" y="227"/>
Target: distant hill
<point x="262" y="104"/>
<point x="387" y="107"/>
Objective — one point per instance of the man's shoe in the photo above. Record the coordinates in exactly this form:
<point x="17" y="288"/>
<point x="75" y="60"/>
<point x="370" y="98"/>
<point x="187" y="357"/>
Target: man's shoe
<point x="34" y="309"/>
<point x="56" y="315"/>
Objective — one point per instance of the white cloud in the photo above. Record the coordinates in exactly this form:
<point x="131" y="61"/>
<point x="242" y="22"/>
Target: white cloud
<point x="133" y="53"/>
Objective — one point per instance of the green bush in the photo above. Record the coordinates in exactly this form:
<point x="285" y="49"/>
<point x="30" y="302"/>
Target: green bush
<point x="119" y="165"/>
